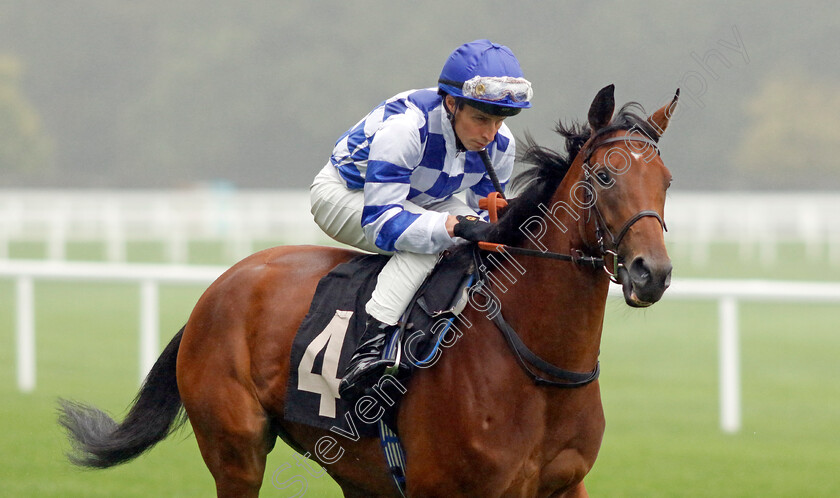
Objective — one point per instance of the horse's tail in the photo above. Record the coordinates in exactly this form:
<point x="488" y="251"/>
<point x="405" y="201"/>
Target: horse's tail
<point x="100" y="442"/>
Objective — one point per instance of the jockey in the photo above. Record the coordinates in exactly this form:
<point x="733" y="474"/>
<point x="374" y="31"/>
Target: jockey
<point x="388" y="187"/>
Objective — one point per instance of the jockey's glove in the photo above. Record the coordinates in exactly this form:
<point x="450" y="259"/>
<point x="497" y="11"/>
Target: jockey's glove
<point x="472" y="228"/>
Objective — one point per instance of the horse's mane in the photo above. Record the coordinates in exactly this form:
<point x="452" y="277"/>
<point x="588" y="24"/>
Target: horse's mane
<point x="537" y="184"/>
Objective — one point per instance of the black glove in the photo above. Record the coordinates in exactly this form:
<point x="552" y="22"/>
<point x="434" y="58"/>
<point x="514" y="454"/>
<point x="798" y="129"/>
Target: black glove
<point x="472" y="228"/>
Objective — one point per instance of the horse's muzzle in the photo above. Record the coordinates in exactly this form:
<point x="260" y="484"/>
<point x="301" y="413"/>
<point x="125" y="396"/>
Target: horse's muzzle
<point x="644" y="281"/>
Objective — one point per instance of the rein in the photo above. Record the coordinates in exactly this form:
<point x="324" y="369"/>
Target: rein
<point x="567" y="379"/>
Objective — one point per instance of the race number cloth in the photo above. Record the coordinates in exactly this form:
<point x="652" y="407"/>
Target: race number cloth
<point x="331" y="330"/>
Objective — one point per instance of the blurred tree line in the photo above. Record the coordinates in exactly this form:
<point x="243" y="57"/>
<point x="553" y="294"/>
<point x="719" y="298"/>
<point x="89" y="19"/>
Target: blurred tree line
<point x="24" y="147"/>
<point x="160" y="93"/>
<point x="170" y="94"/>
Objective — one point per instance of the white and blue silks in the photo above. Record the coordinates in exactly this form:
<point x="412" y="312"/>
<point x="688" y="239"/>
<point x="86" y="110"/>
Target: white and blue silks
<point x="404" y="150"/>
<point x="389" y="188"/>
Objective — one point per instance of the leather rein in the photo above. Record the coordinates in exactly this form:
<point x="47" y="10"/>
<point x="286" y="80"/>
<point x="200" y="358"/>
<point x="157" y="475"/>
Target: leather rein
<point x="560" y="378"/>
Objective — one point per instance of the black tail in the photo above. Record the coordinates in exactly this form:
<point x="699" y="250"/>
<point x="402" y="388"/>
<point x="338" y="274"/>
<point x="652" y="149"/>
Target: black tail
<point x="99" y="442"/>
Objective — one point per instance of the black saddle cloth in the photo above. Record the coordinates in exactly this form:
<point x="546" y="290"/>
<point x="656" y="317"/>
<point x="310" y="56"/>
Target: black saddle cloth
<point x="332" y="329"/>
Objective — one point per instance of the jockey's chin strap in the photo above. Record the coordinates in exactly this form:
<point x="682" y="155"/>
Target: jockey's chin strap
<point x="491" y="172"/>
<point x="485" y="157"/>
<point x="450" y="115"/>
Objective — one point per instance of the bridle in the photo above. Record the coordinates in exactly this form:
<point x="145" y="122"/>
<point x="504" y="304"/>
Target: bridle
<point x="600" y="223"/>
<point x="606" y="253"/>
<point x="540" y="371"/>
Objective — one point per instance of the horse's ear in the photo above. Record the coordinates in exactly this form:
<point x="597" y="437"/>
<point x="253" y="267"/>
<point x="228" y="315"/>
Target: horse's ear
<point x="601" y="110"/>
<point x="659" y="119"/>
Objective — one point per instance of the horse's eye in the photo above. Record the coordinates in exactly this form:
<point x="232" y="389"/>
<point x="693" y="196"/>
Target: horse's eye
<point x="603" y="176"/>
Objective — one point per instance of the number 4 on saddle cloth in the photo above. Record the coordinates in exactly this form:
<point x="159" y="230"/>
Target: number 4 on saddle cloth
<point x="330" y="332"/>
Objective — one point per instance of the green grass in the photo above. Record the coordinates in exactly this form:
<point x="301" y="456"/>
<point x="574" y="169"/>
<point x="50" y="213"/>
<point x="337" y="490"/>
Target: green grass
<point x="659" y="386"/>
<point x="660" y="392"/>
<point x="87" y="349"/>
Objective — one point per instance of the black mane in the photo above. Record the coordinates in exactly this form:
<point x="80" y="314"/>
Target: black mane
<point x="539" y="183"/>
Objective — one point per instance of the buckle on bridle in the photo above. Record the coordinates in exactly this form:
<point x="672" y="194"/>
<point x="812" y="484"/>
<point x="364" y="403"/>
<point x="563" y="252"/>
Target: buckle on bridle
<point x="615" y="266"/>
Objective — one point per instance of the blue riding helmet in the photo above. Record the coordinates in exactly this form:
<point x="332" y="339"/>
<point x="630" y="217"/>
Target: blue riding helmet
<point x="488" y="75"/>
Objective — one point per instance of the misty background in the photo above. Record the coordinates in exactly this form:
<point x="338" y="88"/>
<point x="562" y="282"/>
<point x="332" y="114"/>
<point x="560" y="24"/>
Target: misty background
<point x="162" y="94"/>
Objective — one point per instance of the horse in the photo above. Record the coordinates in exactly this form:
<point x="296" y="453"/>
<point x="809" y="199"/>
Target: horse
<point x="481" y="422"/>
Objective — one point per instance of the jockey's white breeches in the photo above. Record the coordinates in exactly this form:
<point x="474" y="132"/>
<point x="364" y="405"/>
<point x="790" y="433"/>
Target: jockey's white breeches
<point x="338" y="211"/>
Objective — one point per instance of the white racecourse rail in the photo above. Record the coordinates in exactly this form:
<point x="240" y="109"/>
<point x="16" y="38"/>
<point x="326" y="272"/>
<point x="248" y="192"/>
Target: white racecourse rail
<point x="173" y="218"/>
<point x="726" y="292"/>
<point x="756" y="221"/>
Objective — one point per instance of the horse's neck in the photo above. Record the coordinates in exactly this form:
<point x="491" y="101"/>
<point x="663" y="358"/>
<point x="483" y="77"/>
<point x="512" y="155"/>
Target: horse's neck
<point x="557" y="307"/>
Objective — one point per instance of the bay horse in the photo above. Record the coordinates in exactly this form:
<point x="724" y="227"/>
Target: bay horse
<point x="477" y="424"/>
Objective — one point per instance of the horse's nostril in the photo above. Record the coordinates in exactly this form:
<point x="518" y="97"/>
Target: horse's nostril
<point x="639" y="271"/>
<point x="644" y="273"/>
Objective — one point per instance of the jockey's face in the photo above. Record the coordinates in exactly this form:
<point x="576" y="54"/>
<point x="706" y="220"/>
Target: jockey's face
<point x="475" y="128"/>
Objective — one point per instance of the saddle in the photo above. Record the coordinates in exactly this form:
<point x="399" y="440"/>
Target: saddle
<point x="330" y="332"/>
